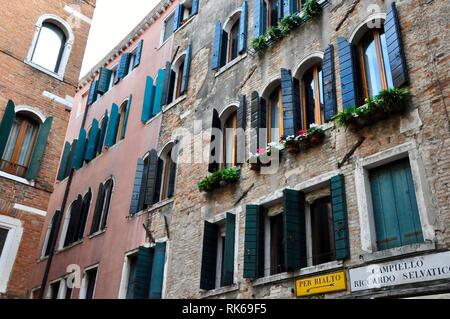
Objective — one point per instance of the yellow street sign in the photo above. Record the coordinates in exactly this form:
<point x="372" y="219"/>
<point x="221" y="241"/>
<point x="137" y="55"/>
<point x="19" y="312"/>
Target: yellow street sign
<point x="321" y="284"/>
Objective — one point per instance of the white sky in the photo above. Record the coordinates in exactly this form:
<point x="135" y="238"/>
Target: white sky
<point x="112" y="21"/>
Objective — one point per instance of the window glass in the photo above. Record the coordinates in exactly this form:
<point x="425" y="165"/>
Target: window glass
<point x="123" y="111"/>
<point x="54" y="289"/>
<point x="322" y="231"/>
<point x="49" y="47"/>
<point x="274" y="116"/>
<point x="274" y="13"/>
<point x="91" y="277"/>
<point x="230" y="140"/>
<point x="234" y="40"/>
<point x="179" y="81"/>
<point x="387" y="65"/>
<point x="276" y="245"/>
<point x="107" y="203"/>
<point x="312" y="97"/>
<point x="371" y="67"/>
<point x="132" y="262"/>
<point x="3" y="235"/>
<point x="168" y="27"/>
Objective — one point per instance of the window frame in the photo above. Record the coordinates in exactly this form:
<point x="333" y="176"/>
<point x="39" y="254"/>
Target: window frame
<point x="167" y="23"/>
<point x="10" y="248"/>
<point x="85" y="282"/>
<point x="233" y="116"/>
<point x="122" y="115"/>
<point x="319" y="116"/>
<point x="164" y="156"/>
<point x="269" y="119"/>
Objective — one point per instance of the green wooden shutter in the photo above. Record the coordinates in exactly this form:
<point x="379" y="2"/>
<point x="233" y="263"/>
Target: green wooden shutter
<point x="258" y="16"/>
<point x="149" y="97"/>
<point x="329" y="83"/>
<point x="138" y="54"/>
<point x="124" y="65"/>
<point x="215" y="158"/>
<point x="75" y="213"/>
<point x="254" y="242"/>
<point x="258" y="122"/>
<point x="104" y="80"/>
<point x="347" y="73"/>
<point x="159" y="260"/>
<point x="167" y="81"/>
<point x="113" y="126"/>
<point x="186" y="70"/>
<point x="51" y="238"/>
<point x="63" y="163"/>
<point x="93" y="90"/>
<point x="217" y="47"/>
<point x="243" y="29"/>
<point x="69" y="164"/>
<point x="86" y="204"/>
<point x="194" y="9"/>
<point x="144" y="265"/>
<point x="157" y="106"/>
<point x="127" y="115"/>
<point x="102" y="133"/>
<point x="228" y="264"/>
<point x="39" y="149"/>
<point x="340" y="223"/>
<point x="291" y="103"/>
<point x="91" y="149"/>
<point x="149" y="187"/>
<point x="294" y="230"/>
<point x="209" y="256"/>
<point x="134" y="205"/>
<point x="6" y="125"/>
<point x="98" y="209"/>
<point x="79" y="152"/>
<point x="241" y="125"/>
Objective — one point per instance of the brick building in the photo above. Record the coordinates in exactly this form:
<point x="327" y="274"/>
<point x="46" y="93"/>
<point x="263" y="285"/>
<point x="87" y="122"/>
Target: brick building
<point x="41" y="51"/>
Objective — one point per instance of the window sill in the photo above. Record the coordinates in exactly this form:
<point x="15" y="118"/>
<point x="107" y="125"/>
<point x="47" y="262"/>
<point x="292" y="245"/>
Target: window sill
<point x="17" y="179"/>
<point x="185" y="24"/>
<point x="174" y="103"/>
<point x="44" y="70"/>
<point x="97" y="234"/>
<point x="397" y="252"/>
<point x="230" y="64"/>
<point x="219" y="291"/>
<point x="153" y="208"/>
<point x="153" y="118"/>
<point x="70" y="247"/>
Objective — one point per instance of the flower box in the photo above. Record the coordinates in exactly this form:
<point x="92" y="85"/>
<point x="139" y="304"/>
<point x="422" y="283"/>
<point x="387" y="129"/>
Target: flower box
<point x="222" y="178"/>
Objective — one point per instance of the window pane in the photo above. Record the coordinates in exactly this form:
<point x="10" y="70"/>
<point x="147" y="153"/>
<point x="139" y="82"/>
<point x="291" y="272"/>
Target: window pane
<point x="387" y="65"/>
<point x="132" y="261"/>
<point x="274" y="117"/>
<point x="230" y="140"/>
<point x="276" y="245"/>
<point x="274" y="12"/>
<point x="168" y="27"/>
<point x="234" y="40"/>
<point x="91" y="278"/>
<point x="3" y="235"/>
<point x="320" y="86"/>
<point x="372" y="67"/>
<point x="322" y="231"/>
<point x="49" y="47"/>
<point x="106" y="201"/>
<point x="12" y="139"/>
<point x="27" y="145"/>
<point x="310" y="97"/>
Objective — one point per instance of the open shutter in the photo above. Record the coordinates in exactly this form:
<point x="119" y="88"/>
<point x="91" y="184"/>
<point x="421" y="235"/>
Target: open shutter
<point x="91" y="149"/>
<point x="63" y="164"/>
<point x="217" y="47"/>
<point x="102" y="132"/>
<point x="149" y="97"/>
<point x="141" y="282"/>
<point x="186" y="70"/>
<point x="194" y="9"/>
<point x="93" y="91"/>
<point x="291" y="103"/>
<point x="157" y="106"/>
<point x="69" y="164"/>
<point x="258" y="123"/>
<point x="340" y="223"/>
<point x="74" y="222"/>
<point x="166" y="87"/>
<point x="329" y="83"/>
<point x="394" y="43"/>
<point x="254" y="242"/>
<point x="209" y="256"/>
<point x="79" y="152"/>
<point x="138" y="54"/>
<point x="6" y="125"/>
<point x="229" y="248"/>
<point x="98" y="209"/>
<point x="124" y="65"/>
<point x="294" y="230"/>
<point x="39" y="149"/>
<point x="259" y="21"/>
<point x="159" y="260"/>
<point x="113" y="126"/>
<point x="149" y="187"/>
<point x="289" y="7"/>
<point x="127" y="115"/>
<point x="216" y="144"/>
<point x="348" y="74"/>
<point x="241" y="126"/>
<point x="243" y="29"/>
<point x="51" y="238"/>
<point x="104" y="80"/>
<point x="178" y="17"/>
<point x="138" y="179"/>
<point x="84" y="214"/>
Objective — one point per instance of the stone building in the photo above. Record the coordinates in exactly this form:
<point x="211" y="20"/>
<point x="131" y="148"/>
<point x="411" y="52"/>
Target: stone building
<point x="41" y="51"/>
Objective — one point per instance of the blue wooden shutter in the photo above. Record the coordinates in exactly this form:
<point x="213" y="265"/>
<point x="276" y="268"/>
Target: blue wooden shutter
<point x="186" y="70"/>
<point x="291" y="103"/>
<point x="6" y="125"/>
<point x="102" y="132"/>
<point x="138" y="54"/>
<point x="254" y="242"/>
<point x="138" y="179"/>
<point x="91" y="149"/>
<point x="104" y="80"/>
<point x="159" y="260"/>
<point x="294" y="230"/>
<point x="69" y="164"/>
<point x="124" y="65"/>
<point x="149" y="97"/>
<point x="329" y="84"/>
<point x="150" y="182"/>
<point x="215" y="158"/>
<point x="79" y="152"/>
<point x="159" y="92"/>
<point x="258" y="121"/>
<point x="93" y="91"/>
<point x="348" y="74"/>
<point x="194" y="9"/>
<point x="143" y="273"/>
<point x="340" y="223"/>
<point x="217" y="47"/>
<point x="243" y="29"/>
<point x="241" y="125"/>
<point x="98" y="209"/>
<point x="111" y="132"/>
<point x="127" y="115"/>
<point x="259" y="20"/>
<point x="395" y="49"/>
<point x="63" y="164"/>
<point x="39" y="149"/>
<point x="178" y="17"/>
<point x="167" y="82"/>
<point x="209" y="256"/>
<point x="229" y="248"/>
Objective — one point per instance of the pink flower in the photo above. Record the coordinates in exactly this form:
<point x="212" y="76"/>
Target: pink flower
<point x="261" y="151"/>
<point x="302" y="132"/>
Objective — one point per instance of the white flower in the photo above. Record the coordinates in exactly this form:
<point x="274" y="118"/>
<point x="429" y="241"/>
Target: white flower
<point x="313" y="125"/>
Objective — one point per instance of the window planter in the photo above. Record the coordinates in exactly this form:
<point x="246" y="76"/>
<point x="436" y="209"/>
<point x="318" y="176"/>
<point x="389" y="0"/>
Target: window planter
<point x="219" y="179"/>
<point x="304" y="140"/>
<point x="262" y="156"/>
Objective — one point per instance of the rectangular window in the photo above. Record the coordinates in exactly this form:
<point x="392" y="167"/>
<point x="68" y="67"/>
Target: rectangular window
<point x="113" y="76"/>
<point x="54" y="290"/>
<point x="89" y="283"/>
<point x="168" y="27"/>
<point x="3" y="236"/>
<point x="322" y="237"/>
<point x="277" y="265"/>
<point x="132" y="263"/>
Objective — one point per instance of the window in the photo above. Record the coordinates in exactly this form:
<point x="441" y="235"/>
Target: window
<point x="168" y="27"/>
<point x="53" y="290"/>
<point x="51" y="234"/>
<point x="312" y="97"/>
<point x="132" y="265"/>
<point x="169" y="169"/>
<point x="375" y="71"/>
<point x="59" y="290"/>
<point x="11" y="231"/>
<point x="88" y="284"/>
<point x="275" y="116"/>
<point x="231" y="37"/>
<point x="19" y="147"/>
<point x="75" y="222"/>
<point x="113" y="77"/>
<point x="275" y="244"/>
<point x="49" y="47"/>
<point x="102" y="206"/>
<point x="230" y="141"/>
<point x="274" y="12"/>
<point x="3" y="235"/>
<point x="122" y="121"/>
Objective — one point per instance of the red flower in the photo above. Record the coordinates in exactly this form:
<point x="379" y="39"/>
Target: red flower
<point x="302" y="132"/>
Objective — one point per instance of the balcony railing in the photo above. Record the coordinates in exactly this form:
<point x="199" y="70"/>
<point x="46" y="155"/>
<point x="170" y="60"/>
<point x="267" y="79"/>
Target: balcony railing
<point x="13" y="168"/>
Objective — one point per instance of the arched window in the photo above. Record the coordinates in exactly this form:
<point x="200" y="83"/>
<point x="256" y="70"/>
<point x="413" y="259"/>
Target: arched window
<point x="49" y="47"/>
<point x="122" y="121"/>
<point x="102" y="206"/>
<point x="230" y="139"/>
<point x="231" y="31"/>
<point x="312" y="96"/>
<point x="167" y="170"/>
<point x="75" y="221"/>
<point x="274" y="111"/>
<point x="19" y="147"/>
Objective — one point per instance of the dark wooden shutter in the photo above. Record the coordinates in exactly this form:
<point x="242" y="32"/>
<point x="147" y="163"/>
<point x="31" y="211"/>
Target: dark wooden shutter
<point x="150" y="184"/>
<point x="79" y="152"/>
<point x="6" y="125"/>
<point x="395" y="49"/>
<point x="167" y="83"/>
<point x="259" y="21"/>
<point x="143" y="273"/>
<point x="340" y="223"/>
<point x="186" y="70"/>
<point x="52" y="236"/>
<point x="127" y="115"/>
<point x="63" y="164"/>
<point x="216" y="144"/>
<point x="74" y="221"/>
<point x="172" y="180"/>
<point x="149" y="99"/>
<point x="157" y="106"/>
<point x="348" y="74"/>
<point x="159" y="261"/>
<point x="294" y="230"/>
<point x="178" y="17"/>
<point x="124" y="65"/>
<point x="91" y="149"/>
<point x="229" y="248"/>
<point x="224" y="48"/>
<point x="258" y="121"/>
<point x="98" y="209"/>
<point x="113" y="126"/>
<point x="209" y="256"/>
<point x="104" y="80"/>
<point x="39" y="149"/>
<point x="254" y="242"/>
<point x="243" y="29"/>
<point x="217" y="47"/>
<point x="138" y="54"/>
<point x="241" y="126"/>
<point x="291" y="103"/>
<point x="69" y="164"/>
<point x="159" y="180"/>
<point x="102" y="132"/>
<point x="329" y="83"/>
<point x="138" y="179"/>
<point x="93" y="91"/>
<point x="194" y="9"/>
<point x="84" y="214"/>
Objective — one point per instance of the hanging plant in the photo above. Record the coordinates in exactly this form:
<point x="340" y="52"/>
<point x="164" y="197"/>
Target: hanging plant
<point x="218" y="179"/>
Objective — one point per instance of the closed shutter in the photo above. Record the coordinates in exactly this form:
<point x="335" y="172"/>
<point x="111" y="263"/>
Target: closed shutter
<point x="159" y="92"/>
<point x="167" y="84"/>
<point x="329" y="83"/>
<point x="348" y="74"/>
<point x="241" y="127"/>
<point x="52" y="236"/>
<point x="6" y="125"/>
<point x="143" y="273"/>
<point x="340" y="223"/>
<point x="186" y="70"/>
<point x="149" y="187"/>
<point x="254" y="242"/>
<point x="138" y="54"/>
<point x="138" y="177"/>
<point x="209" y="256"/>
<point x="91" y="149"/>
<point x="124" y="65"/>
<point x="217" y="47"/>
<point x="172" y="180"/>
<point x="259" y="22"/>
<point x="84" y="214"/>
<point x="102" y="132"/>
<point x="228" y="264"/>
<point x="79" y="152"/>
<point x="149" y="97"/>
<point x="394" y="43"/>
<point x="194" y="9"/>
<point x="63" y="163"/>
<point x="159" y="261"/>
<point x="289" y="7"/>
<point x="98" y="209"/>
<point x="113" y="126"/>
<point x="291" y="103"/>
<point x="93" y="91"/>
<point x="224" y="48"/>
<point x="69" y="165"/>
<point x="74" y="222"/>
<point x="294" y="230"/>
<point x="243" y="29"/>
<point x="178" y="17"/>
<point x="39" y="149"/>
<point x="127" y="115"/>
<point x="104" y="80"/>
<point x="258" y="123"/>
<point x="215" y="158"/>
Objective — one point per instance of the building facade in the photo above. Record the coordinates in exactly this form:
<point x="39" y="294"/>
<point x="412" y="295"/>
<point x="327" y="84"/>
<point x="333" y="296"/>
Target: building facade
<point x="295" y="149"/>
<point x="41" y="52"/>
